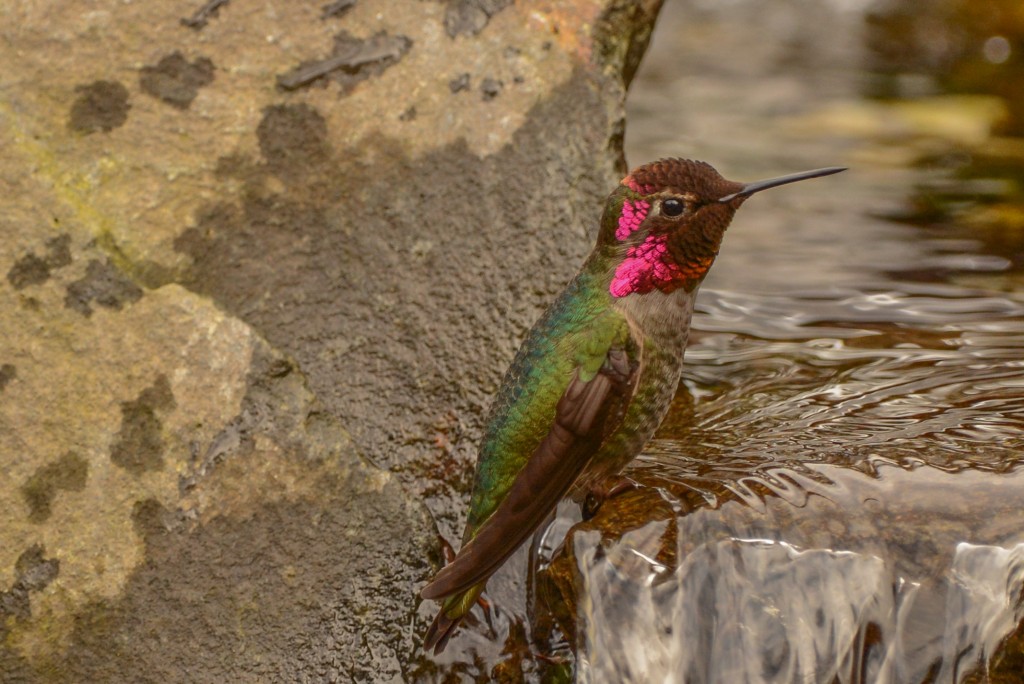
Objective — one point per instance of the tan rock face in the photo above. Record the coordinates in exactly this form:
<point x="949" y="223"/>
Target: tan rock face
<point x="227" y="247"/>
<point x="103" y="411"/>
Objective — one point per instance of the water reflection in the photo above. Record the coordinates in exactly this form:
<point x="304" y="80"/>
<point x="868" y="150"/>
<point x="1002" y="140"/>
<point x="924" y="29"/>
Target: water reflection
<point x="948" y="394"/>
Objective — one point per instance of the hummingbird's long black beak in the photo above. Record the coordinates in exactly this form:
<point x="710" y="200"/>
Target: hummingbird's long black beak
<point x="757" y="186"/>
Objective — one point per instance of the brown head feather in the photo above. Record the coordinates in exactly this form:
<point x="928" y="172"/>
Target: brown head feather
<point x="683" y="175"/>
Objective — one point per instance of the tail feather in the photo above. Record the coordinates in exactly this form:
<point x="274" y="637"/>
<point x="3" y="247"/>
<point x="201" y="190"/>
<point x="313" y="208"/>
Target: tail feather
<point x="441" y="630"/>
<point x="452" y="611"/>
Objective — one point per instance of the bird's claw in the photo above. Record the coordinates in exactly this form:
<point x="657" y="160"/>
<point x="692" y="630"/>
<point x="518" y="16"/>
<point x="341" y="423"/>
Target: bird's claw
<point x="607" y="489"/>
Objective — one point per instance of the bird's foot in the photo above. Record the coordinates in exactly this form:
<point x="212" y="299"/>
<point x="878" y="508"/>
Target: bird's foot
<point x="606" y="489"/>
<point x="485" y="606"/>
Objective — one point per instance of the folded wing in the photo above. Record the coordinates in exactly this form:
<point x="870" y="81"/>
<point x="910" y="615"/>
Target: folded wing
<point x="590" y="409"/>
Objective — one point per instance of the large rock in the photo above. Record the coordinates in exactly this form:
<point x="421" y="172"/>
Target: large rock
<point x="250" y="258"/>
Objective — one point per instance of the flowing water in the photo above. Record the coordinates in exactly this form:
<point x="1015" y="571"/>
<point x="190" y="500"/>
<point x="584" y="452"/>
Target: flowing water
<point x="837" y="495"/>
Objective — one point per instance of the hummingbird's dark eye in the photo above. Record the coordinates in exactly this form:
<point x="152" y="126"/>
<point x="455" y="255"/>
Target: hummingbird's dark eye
<point x="672" y="207"/>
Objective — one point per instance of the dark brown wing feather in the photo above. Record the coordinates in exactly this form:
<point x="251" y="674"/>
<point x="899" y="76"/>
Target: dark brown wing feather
<point x="587" y="412"/>
<point x="441" y="630"/>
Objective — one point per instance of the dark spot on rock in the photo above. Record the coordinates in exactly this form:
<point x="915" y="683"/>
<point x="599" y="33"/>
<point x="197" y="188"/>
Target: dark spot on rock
<point x="102" y="284"/>
<point x="147" y="517"/>
<point x="140" y="443"/>
<point x="202" y="16"/>
<point x="68" y="473"/>
<point x="459" y="83"/>
<point x="32" y="572"/>
<point x="7" y="373"/>
<point x="408" y="115"/>
<point x="212" y="221"/>
<point x="175" y="80"/>
<point x="33" y="270"/>
<point x="58" y="251"/>
<point x="470" y="16"/>
<point x="150" y="518"/>
<point x="490" y="88"/>
<point x="352" y="60"/>
<point x="518" y="79"/>
<point x="30" y="303"/>
<point x="28" y="270"/>
<point x="14" y="603"/>
<point x="293" y="139"/>
<point x="101" y="106"/>
<point x="235" y="166"/>
<point x="337" y="8"/>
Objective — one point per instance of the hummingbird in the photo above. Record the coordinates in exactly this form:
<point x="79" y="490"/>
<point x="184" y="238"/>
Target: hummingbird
<point x="596" y="374"/>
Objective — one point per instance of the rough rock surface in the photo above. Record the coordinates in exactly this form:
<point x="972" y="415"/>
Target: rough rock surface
<point x="247" y="329"/>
